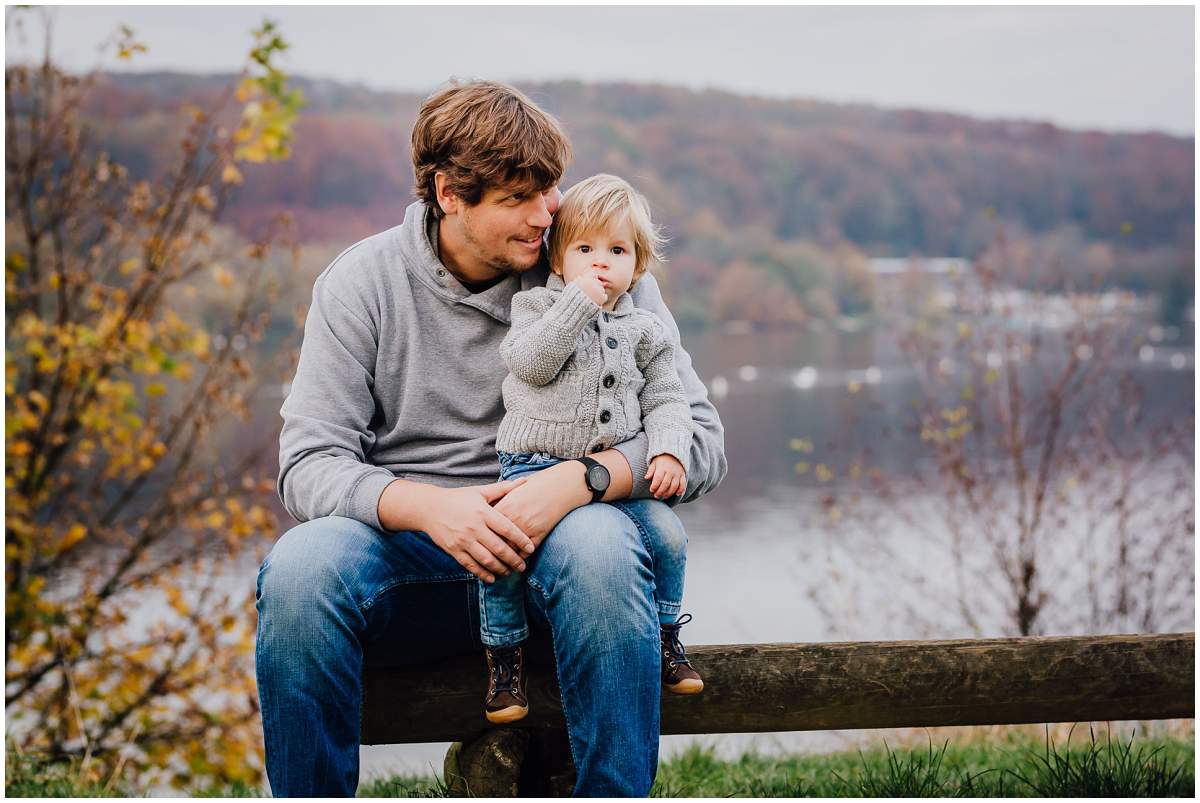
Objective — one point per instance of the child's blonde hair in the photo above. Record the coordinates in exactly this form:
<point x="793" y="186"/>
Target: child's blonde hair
<point x="600" y="202"/>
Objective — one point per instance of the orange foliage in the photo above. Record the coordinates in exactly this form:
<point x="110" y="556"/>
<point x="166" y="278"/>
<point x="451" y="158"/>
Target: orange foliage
<point x="122" y="649"/>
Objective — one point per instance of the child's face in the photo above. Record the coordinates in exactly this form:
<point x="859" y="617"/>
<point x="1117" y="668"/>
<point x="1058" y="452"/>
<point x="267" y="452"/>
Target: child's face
<point x="610" y="252"/>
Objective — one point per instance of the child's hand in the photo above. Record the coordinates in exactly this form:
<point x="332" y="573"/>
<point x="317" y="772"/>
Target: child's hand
<point x="591" y="286"/>
<point x="667" y="477"/>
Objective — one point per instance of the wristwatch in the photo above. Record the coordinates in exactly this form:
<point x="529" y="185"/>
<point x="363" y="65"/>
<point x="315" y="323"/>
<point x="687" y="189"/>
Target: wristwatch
<point x="596" y="476"/>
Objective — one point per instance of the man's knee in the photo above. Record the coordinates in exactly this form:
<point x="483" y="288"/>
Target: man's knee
<point x="303" y="569"/>
<point x="598" y="536"/>
<point x="597" y="557"/>
<point x="660" y="526"/>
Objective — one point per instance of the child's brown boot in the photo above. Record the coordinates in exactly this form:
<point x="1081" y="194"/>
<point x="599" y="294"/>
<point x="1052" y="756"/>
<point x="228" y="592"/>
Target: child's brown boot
<point x="506" y="700"/>
<point x="677" y="673"/>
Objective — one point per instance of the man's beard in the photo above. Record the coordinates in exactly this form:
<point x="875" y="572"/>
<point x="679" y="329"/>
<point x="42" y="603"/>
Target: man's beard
<point x="506" y="268"/>
<point x="498" y="263"/>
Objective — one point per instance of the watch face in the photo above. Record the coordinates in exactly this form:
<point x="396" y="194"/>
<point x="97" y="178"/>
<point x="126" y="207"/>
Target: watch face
<point x="597" y="477"/>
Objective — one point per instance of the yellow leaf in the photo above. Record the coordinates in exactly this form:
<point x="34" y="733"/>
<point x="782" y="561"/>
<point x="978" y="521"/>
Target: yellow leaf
<point x="823" y="473"/>
<point x="955" y="415"/>
<point x="222" y="276"/>
<point x="200" y="344"/>
<point x="128" y="266"/>
<point x="156" y="389"/>
<point x="203" y="198"/>
<point x="252" y="152"/>
<point x="231" y="175"/>
<point x="215" y="519"/>
<point x="74" y="535"/>
<point x="175" y="598"/>
<point x="260" y="517"/>
<point x="801" y="445"/>
<point x="854" y="386"/>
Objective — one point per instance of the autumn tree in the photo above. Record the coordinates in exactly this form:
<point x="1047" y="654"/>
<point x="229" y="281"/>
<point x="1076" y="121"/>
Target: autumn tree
<point x="1048" y="492"/>
<point x="125" y="504"/>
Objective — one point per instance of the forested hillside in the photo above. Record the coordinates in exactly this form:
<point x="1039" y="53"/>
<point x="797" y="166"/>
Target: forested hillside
<point x="771" y="206"/>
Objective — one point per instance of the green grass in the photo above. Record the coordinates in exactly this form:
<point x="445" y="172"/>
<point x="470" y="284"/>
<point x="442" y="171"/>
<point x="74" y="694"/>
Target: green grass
<point x="1014" y="767"/>
<point x="1085" y="765"/>
<point x="27" y="776"/>
<point x="404" y="786"/>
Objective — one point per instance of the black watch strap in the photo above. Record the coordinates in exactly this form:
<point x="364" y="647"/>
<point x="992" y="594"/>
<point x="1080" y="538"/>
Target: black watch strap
<point x="588" y="465"/>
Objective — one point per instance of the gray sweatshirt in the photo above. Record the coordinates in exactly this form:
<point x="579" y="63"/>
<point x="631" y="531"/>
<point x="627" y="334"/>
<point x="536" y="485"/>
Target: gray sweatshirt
<point x="400" y="376"/>
<point x="584" y="379"/>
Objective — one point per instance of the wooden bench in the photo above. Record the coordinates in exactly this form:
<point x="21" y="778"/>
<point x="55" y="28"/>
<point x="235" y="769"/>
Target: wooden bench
<point x="751" y="688"/>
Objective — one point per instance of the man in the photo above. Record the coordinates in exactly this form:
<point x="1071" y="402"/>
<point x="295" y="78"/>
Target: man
<point x="388" y="457"/>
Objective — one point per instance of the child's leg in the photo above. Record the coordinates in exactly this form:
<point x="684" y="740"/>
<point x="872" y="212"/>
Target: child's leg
<point x="503" y="626"/>
<point x="502" y="620"/>
<point x="666" y="541"/>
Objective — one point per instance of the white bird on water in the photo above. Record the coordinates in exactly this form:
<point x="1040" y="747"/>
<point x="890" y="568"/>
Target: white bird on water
<point x="805" y="378"/>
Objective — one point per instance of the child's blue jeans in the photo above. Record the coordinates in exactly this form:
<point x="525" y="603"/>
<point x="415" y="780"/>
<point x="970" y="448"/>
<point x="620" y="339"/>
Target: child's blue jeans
<point x="502" y="621"/>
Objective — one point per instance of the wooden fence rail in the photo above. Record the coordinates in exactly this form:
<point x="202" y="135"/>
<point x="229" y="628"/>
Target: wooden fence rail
<point x="790" y="687"/>
<point x="787" y="687"/>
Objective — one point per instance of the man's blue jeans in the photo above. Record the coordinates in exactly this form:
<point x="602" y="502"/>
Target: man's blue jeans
<point x="502" y="604"/>
<point x="335" y="595"/>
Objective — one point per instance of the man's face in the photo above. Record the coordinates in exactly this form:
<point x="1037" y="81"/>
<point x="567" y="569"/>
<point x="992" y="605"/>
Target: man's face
<point x="504" y="230"/>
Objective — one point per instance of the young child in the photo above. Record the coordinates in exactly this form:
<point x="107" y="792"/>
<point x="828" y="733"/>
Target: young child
<point x="589" y="370"/>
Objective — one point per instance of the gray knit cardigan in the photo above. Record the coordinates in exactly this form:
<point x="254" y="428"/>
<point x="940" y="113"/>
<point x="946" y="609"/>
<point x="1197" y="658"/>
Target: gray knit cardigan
<point x="582" y="379"/>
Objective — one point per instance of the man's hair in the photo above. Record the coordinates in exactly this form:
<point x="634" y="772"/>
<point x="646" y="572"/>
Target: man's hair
<point x="483" y="134"/>
<point x="598" y="203"/>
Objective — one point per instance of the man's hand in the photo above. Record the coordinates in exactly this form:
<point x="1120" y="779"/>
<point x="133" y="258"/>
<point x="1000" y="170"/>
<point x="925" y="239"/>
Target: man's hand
<point x="667" y="477"/>
<point x="550" y="494"/>
<point x="591" y="286"/>
<point x="462" y="522"/>
<point x="545" y="498"/>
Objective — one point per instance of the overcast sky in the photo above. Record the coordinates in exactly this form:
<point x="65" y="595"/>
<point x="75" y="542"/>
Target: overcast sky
<point x="1081" y="67"/>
